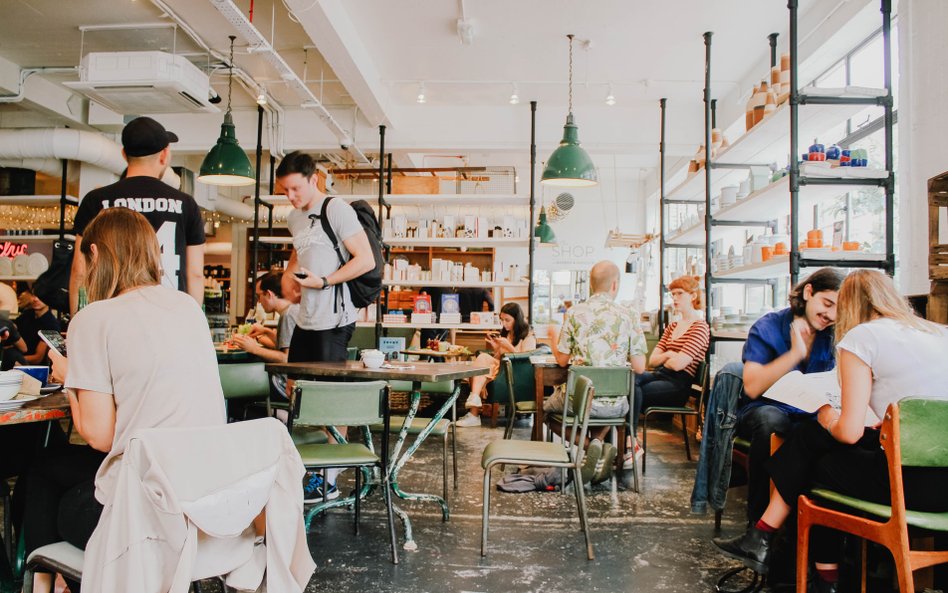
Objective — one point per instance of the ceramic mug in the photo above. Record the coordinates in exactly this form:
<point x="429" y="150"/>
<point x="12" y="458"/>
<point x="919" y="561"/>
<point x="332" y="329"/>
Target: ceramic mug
<point x="40" y="373"/>
<point x="373" y="359"/>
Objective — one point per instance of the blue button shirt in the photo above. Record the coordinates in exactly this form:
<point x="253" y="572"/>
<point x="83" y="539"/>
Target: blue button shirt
<point x="769" y="339"/>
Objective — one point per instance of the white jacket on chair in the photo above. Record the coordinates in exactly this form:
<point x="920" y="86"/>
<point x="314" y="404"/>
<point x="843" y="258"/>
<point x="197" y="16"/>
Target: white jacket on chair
<point x="183" y="508"/>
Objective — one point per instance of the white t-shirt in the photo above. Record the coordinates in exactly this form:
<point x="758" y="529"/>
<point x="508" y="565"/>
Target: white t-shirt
<point x="314" y="251"/>
<point x="151" y="349"/>
<point x="905" y="362"/>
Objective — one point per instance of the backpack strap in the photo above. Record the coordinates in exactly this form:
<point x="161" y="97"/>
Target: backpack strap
<point x="327" y="228"/>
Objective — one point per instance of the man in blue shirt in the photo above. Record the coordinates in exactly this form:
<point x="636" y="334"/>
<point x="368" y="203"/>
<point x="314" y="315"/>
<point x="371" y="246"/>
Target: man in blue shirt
<point x="798" y="338"/>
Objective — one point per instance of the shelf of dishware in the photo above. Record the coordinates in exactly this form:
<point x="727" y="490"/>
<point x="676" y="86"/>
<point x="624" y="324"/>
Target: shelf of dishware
<point x="455" y="326"/>
<point x="457" y="242"/>
<point x="44" y="200"/>
<point x="765" y="143"/>
<point x="422" y="200"/>
<point x="28" y="238"/>
<point x="727" y="334"/>
<point x="779" y="265"/>
<point x="449" y="284"/>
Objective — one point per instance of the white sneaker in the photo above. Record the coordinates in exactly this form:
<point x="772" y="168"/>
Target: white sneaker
<point x="627" y="462"/>
<point x="468" y="420"/>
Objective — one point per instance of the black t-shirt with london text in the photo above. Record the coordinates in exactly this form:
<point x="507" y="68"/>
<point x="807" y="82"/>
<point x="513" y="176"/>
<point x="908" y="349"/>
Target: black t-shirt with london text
<point x="174" y="215"/>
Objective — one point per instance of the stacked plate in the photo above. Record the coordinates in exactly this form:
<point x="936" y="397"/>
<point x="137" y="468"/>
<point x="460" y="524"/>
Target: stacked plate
<point x="10" y="382"/>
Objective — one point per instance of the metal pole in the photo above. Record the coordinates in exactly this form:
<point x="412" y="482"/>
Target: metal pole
<point x="773" y="49"/>
<point x="533" y="204"/>
<point x="707" y="175"/>
<point x="62" y="203"/>
<point x="270" y="209"/>
<point x="794" y="149"/>
<point x="714" y="113"/>
<point x="889" y="123"/>
<point x="661" y="221"/>
<point x="378" y="302"/>
<point x="256" y="211"/>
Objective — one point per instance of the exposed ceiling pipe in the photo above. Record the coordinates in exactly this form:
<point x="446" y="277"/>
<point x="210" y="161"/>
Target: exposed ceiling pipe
<point x="28" y="146"/>
<point x="250" y="34"/>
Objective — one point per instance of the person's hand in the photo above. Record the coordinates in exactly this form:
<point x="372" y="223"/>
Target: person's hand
<point x="257" y="329"/>
<point x="801" y="338"/>
<point x="60" y="366"/>
<point x="244" y="342"/>
<point x="502" y="343"/>
<point x="827" y="416"/>
<point x="308" y="280"/>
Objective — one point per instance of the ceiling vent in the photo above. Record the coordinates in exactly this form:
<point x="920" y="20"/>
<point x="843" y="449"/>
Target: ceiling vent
<point x="137" y="82"/>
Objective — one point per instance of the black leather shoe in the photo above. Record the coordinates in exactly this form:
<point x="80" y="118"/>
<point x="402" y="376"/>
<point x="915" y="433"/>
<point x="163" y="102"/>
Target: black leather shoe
<point x="818" y="585"/>
<point x="752" y="548"/>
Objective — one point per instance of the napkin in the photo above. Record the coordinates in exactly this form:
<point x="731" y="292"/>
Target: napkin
<point x="30" y="385"/>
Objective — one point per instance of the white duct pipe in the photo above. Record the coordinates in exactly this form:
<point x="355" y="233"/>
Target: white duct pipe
<point x="37" y="146"/>
<point x="234" y="208"/>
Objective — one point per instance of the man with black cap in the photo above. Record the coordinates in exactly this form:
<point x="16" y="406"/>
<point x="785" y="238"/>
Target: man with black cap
<point x="174" y="215"/>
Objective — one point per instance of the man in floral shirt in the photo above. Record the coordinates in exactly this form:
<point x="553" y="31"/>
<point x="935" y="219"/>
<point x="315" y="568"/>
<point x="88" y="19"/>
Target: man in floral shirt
<point x="600" y="332"/>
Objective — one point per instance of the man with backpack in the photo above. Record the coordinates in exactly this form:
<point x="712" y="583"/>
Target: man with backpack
<point x="321" y="266"/>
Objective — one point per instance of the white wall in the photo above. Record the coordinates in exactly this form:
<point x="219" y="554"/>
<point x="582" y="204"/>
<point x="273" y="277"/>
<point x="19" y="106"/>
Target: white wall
<point x="923" y="130"/>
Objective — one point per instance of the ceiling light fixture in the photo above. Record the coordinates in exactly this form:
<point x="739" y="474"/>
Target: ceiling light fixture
<point x="227" y="163"/>
<point x="262" y="97"/>
<point x="515" y="96"/>
<point x="610" y="98"/>
<point x="421" y="93"/>
<point x="569" y="165"/>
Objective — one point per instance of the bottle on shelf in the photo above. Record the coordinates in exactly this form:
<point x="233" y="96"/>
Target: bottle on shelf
<point x="770" y="103"/>
<point x="749" y="113"/>
<point x="760" y="99"/>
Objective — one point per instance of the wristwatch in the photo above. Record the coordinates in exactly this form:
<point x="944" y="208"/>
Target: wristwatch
<point x="326" y="283"/>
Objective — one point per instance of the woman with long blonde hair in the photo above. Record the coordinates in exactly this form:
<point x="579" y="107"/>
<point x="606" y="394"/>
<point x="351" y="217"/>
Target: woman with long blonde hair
<point x="140" y="356"/>
<point x="885" y="353"/>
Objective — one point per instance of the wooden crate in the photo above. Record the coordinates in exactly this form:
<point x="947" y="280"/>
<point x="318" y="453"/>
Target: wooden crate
<point x="415" y="184"/>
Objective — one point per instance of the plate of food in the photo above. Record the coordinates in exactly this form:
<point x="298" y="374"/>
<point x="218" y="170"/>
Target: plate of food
<point x="50" y="388"/>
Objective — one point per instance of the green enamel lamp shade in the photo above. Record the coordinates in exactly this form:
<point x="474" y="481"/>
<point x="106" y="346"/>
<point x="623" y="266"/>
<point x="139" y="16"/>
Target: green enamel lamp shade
<point x="543" y="230"/>
<point x="570" y="165"/>
<point x="227" y="163"/>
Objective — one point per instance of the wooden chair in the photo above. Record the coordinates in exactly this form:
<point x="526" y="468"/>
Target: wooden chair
<point x="697" y="410"/>
<point x="914" y="434"/>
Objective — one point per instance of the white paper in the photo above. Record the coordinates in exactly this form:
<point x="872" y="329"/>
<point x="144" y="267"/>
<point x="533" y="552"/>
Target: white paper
<point x="810" y="392"/>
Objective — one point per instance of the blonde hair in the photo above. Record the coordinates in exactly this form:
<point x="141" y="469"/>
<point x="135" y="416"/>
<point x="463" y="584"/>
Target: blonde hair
<point x="691" y="285"/>
<point x="868" y="294"/>
<point x="127" y="253"/>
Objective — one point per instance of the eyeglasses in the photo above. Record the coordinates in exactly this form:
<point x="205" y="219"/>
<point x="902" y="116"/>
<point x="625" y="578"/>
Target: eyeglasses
<point x="678" y="293"/>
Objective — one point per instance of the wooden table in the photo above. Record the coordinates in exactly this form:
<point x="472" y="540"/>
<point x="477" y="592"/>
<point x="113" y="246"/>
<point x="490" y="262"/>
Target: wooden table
<point x="417" y="373"/>
<point x="546" y="374"/>
<point x="44" y="409"/>
<point x="429" y="353"/>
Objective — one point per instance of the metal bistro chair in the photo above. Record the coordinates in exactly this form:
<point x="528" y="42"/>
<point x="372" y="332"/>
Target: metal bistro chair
<point x="914" y="434"/>
<point x="515" y="383"/>
<point x="701" y="390"/>
<point x="544" y="454"/>
<point x="609" y="382"/>
<point x="362" y="404"/>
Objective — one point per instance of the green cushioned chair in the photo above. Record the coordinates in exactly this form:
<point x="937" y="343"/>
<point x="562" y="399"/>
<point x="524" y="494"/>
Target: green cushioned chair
<point x="608" y="382"/>
<point x="545" y="454"/>
<point x="441" y="428"/>
<point x="914" y="434"/>
<point x="323" y="403"/>
<point x="700" y="390"/>
<point x="515" y="386"/>
<point x="245" y="381"/>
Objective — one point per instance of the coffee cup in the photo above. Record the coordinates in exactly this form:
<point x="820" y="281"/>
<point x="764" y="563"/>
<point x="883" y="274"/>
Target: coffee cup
<point x="40" y="373"/>
<point x="373" y="359"/>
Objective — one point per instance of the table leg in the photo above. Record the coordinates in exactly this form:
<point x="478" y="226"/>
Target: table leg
<point x="538" y="402"/>
<point x="401" y="460"/>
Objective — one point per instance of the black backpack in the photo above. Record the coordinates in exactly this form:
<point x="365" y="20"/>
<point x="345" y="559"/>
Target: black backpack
<point x="364" y="289"/>
<point x="52" y="286"/>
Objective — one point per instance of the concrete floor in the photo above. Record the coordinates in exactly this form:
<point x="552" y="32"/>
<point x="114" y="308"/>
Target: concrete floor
<point x="643" y="542"/>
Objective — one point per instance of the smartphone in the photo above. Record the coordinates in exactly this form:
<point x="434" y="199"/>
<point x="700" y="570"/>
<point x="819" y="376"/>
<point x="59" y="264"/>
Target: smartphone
<point x="55" y="340"/>
<point x="299" y="275"/>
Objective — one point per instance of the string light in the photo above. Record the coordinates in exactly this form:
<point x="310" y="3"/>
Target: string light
<point x="515" y="96"/>
<point x="421" y="93"/>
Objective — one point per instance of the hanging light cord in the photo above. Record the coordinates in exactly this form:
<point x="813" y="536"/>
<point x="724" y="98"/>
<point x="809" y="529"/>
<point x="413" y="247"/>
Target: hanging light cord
<point x="570" y="37"/>
<point x="230" y="71"/>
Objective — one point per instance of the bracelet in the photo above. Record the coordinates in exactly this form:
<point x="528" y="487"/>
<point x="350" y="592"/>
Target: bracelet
<point x="326" y="283"/>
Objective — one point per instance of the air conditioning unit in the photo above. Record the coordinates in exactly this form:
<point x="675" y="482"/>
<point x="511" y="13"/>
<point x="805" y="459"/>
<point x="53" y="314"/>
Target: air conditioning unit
<point x="137" y="82"/>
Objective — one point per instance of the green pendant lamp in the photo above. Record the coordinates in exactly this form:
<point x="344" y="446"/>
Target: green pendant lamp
<point x="226" y="163"/>
<point x="543" y="231"/>
<point x="570" y="165"/>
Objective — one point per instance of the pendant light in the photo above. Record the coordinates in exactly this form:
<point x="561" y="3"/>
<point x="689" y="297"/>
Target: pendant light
<point x="543" y="231"/>
<point x="227" y="163"/>
<point x="570" y="165"/>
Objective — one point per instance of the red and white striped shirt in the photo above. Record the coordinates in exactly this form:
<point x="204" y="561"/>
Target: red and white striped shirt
<point x="694" y="342"/>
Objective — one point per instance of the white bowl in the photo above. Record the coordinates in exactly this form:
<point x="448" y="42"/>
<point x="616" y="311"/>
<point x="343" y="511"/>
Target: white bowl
<point x="373" y="360"/>
<point x="9" y="390"/>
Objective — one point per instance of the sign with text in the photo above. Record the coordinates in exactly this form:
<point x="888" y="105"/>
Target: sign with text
<point x="11" y="250"/>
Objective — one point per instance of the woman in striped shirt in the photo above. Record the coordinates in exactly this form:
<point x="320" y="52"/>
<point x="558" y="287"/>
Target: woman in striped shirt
<point x="676" y="358"/>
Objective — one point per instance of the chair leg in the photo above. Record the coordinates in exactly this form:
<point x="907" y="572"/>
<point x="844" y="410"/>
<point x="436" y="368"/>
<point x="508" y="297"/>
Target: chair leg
<point x="803" y="543"/>
<point x="644" y="441"/>
<point x="444" y="467"/>
<point x="387" y="494"/>
<point x="494" y="411"/>
<point x="454" y="453"/>
<point x="684" y="434"/>
<point x="717" y="520"/>
<point x="583" y="519"/>
<point x="358" y="489"/>
<point x="486" y="510"/>
<point x="904" y="572"/>
<point x="511" y="417"/>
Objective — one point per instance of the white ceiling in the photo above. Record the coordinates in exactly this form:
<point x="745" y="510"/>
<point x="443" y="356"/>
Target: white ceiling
<point x="382" y="50"/>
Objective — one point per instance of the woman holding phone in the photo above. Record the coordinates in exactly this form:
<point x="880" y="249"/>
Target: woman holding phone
<point x="140" y="356"/>
<point x="514" y="336"/>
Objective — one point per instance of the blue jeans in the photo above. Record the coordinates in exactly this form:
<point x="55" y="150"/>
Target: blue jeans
<point x="714" y="464"/>
<point x="660" y="388"/>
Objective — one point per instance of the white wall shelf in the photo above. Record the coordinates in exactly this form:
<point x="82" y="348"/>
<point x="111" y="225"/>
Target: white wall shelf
<point x="488" y="242"/>
<point x="775" y="267"/>
<point x="729" y="334"/>
<point x="424" y="200"/>
<point x="44" y="200"/>
<point x="443" y="284"/>
<point x="28" y="238"/>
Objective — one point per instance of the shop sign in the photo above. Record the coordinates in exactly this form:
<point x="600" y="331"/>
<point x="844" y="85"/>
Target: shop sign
<point x="575" y="253"/>
<point x="11" y="250"/>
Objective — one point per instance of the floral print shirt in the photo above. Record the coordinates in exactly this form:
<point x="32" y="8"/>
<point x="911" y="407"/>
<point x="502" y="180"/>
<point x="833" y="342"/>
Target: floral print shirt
<point x="600" y="332"/>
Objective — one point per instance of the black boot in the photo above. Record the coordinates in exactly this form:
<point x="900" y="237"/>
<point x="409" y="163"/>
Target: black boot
<point x="752" y="548"/>
<point x="818" y="585"/>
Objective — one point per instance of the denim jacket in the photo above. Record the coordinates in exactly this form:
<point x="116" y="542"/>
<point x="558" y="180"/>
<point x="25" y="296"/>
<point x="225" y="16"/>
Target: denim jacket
<point x="714" y="463"/>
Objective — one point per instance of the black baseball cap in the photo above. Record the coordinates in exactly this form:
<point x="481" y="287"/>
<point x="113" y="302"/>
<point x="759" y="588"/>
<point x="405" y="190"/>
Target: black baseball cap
<point x="144" y="136"/>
